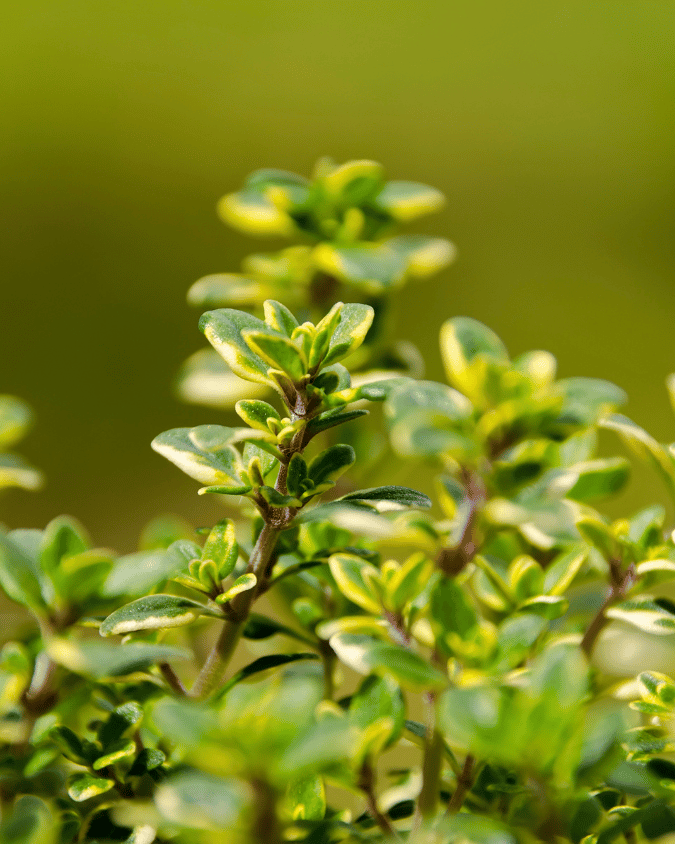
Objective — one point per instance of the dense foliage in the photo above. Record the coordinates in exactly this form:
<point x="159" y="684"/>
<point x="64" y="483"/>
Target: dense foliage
<point x="460" y="631"/>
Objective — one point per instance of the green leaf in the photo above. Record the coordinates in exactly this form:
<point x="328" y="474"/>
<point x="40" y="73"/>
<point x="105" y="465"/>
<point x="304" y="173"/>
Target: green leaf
<point x="223" y="329"/>
<point x="17" y="472"/>
<point x="548" y="606"/>
<point x="475" y="828"/>
<point x="251" y="212"/>
<point x="378" y="697"/>
<point x="655" y="565"/>
<point x="598" y="534"/>
<point x="278" y="317"/>
<point x="198" y="800"/>
<point x="84" y="786"/>
<point x="15" y="420"/>
<point x="285" y="188"/>
<point x="318" y="748"/>
<point x="451" y="610"/>
<point x="147" y="760"/>
<point x="367" y="655"/>
<point x="221" y="547"/>
<point x="644" y="445"/>
<point x="264" y="663"/>
<point x="354" y="181"/>
<point x="204" y="453"/>
<point x="265" y="453"/>
<point x="463" y="340"/>
<point x="423" y="255"/>
<point x="332" y="379"/>
<point x="256" y="413"/>
<point x="19" y="576"/>
<point x="276" y="499"/>
<point x="409" y="581"/>
<point x="260" y="627"/>
<point x="307" y="798"/>
<point x="516" y="637"/>
<point x="331" y="418"/>
<point x="560" y="575"/>
<point x="405" y="201"/>
<point x="63" y="537"/>
<point x="220" y="289"/>
<point x="241" y="584"/>
<point x="526" y="577"/>
<point x="355" y="580"/>
<point x="125" y="717"/>
<point x="297" y="473"/>
<point x="225" y="490"/>
<point x="385" y="498"/>
<point x="503" y="597"/>
<point x="425" y="417"/>
<point x="646" y="527"/>
<point x="137" y="574"/>
<point x="69" y="744"/>
<point x="331" y="463"/>
<point x="143" y="834"/>
<point x="351" y="330"/>
<point x="647" y="614"/>
<point x="205" y="378"/>
<point x="102" y="659"/>
<point x="114" y="753"/>
<point x="162" y="531"/>
<point x="279" y="352"/>
<point x="635" y="774"/>
<point x="599" y="478"/>
<point x="30" y="822"/>
<point x="373" y="267"/>
<point x="586" y="400"/>
<point x="154" y="612"/>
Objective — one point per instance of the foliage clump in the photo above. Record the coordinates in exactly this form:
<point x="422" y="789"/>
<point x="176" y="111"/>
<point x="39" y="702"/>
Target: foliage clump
<point x="341" y="658"/>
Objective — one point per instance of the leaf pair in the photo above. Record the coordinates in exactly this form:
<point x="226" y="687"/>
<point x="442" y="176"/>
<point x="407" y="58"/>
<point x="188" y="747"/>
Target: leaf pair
<point x="280" y="350"/>
<point x="208" y="454"/>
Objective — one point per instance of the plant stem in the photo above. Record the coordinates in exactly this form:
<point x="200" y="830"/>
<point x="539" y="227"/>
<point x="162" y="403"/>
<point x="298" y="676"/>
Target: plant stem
<point x="172" y="679"/>
<point x="620" y="582"/>
<point x="367" y="786"/>
<point x="217" y="661"/>
<point x="432" y="763"/>
<point x="464" y="783"/>
<point x="451" y="561"/>
<point x="265" y="821"/>
<point x="328" y="659"/>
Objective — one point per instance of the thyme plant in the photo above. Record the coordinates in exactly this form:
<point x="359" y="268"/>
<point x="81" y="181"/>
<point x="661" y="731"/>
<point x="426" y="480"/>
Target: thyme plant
<point x="332" y="663"/>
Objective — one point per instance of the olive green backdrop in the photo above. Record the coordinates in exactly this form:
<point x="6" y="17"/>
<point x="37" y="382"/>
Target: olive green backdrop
<point x="550" y="127"/>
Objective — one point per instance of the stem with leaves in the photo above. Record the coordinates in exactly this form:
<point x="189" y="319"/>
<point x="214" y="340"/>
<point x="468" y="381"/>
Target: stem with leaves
<point x="275" y="521"/>
<point x="239" y="608"/>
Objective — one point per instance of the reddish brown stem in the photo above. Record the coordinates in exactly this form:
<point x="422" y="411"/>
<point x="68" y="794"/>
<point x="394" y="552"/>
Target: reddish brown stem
<point x="464" y="783"/>
<point x="620" y="582"/>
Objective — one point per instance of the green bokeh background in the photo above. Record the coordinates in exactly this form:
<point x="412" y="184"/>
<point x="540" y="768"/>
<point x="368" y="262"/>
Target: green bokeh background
<point x="549" y="126"/>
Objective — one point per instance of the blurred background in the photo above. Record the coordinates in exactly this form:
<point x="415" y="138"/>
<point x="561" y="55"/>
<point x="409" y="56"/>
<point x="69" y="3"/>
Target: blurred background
<point x="550" y="128"/>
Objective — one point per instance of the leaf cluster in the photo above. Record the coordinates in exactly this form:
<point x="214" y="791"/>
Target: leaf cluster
<point x="423" y="668"/>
